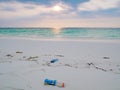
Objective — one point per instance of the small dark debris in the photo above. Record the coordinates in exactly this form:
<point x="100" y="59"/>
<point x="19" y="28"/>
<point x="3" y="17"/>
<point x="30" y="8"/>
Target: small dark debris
<point x="100" y="69"/>
<point x="9" y="55"/>
<point x="59" y="55"/>
<point x="103" y="69"/>
<point x="68" y="65"/>
<point x="90" y="64"/>
<point x="96" y="66"/>
<point x="106" y="57"/>
<point x="33" y="57"/>
<point x="19" y="52"/>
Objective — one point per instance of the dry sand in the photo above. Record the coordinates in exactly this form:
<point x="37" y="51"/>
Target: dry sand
<point x="81" y="65"/>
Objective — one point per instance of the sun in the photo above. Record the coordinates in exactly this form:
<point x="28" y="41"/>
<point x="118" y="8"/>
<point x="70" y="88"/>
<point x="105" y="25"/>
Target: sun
<point x="57" y="8"/>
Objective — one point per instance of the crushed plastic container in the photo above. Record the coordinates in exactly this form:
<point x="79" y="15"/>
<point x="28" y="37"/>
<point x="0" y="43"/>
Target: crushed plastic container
<point x="53" y="60"/>
<point x="54" y="83"/>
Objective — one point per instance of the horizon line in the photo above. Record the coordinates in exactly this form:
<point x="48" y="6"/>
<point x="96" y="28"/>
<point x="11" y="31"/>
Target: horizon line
<point x="58" y="28"/>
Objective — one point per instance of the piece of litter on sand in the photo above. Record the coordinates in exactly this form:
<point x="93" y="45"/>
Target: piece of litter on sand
<point x="54" y="83"/>
<point x="34" y="57"/>
<point x="106" y="57"/>
<point x="53" y="60"/>
<point x="19" y="52"/>
<point x="9" y="55"/>
<point x="68" y="65"/>
<point x="59" y="55"/>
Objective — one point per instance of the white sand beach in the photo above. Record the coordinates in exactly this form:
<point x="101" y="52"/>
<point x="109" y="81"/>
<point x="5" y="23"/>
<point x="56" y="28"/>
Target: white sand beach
<point x="81" y="65"/>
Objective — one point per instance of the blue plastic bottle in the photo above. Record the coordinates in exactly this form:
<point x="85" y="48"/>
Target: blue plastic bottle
<point x="50" y="82"/>
<point x="53" y="82"/>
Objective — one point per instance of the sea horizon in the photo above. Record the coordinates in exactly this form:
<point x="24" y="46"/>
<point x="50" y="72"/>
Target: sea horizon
<point x="59" y="27"/>
<point x="73" y="33"/>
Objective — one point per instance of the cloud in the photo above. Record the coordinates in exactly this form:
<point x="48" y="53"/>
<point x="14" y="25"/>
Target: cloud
<point x="95" y="5"/>
<point x="19" y="9"/>
<point x="59" y="14"/>
<point x="60" y="6"/>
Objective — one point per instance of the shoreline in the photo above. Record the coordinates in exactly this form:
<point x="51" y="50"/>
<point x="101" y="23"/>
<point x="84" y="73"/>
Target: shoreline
<point x="62" y="39"/>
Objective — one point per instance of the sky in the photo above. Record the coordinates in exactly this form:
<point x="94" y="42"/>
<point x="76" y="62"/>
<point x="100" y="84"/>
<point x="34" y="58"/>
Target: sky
<point x="59" y="13"/>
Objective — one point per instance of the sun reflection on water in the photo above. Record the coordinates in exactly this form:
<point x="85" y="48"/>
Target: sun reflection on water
<point x="57" y="30"/>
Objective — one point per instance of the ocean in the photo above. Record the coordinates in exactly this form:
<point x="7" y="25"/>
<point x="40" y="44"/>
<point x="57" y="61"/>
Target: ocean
<point x="63" y="33"/>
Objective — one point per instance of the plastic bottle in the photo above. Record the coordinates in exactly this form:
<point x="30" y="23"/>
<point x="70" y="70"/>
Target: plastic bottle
<point x="53" y="82"/>
<point x="60" y="84"/>
<point x="53" y="60"/>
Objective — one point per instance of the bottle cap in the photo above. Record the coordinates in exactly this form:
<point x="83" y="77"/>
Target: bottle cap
<point x="59" y="84"/>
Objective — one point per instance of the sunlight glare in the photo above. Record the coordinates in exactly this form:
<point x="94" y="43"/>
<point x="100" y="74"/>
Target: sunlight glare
<point x="57" y="8"/>
<point x="57" y="30"/>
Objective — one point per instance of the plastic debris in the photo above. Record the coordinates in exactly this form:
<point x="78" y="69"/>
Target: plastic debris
<point x="106" y="57"/>
<point x="9" y="55"/>
<point x="19" y="52"/>
<point x="53" y="60"/>
<point x="53" y="82"/>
